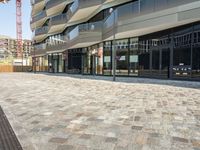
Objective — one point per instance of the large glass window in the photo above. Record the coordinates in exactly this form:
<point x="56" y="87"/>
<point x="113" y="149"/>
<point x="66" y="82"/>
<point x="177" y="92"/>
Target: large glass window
<point x="196" y="52"/>
<point x="122" y="57"/>
<point x="144" y="57"/>
<point x="99" y="60"/>
<point x="60" y="63"/>
<point x="155" y="61"/>
<point x="182" y="51"/>
<point x="133" y="57"/>
<point x="75" y="61"/>
<point x="107" y="65"/>
<point x="87" y="62"/>
<point x="165" y="69"/>
<point x="146" y="6"/>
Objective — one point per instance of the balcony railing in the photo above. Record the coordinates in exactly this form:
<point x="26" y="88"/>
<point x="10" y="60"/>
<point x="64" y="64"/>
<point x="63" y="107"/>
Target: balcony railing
<point x="52" y="3"/>
<point x="40" y="46"/>
<point x="78" y="4"/>
<point x="59" y="19"/>
<point x="89" y="28"/>
<point x="39" y="16"/>
<point x="139" y="8"/>
<point x="42" y="30"/>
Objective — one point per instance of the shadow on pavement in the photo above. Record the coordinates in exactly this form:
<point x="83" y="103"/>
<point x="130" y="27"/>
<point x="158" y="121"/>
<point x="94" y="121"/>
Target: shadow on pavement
<point x="176" y="83"/>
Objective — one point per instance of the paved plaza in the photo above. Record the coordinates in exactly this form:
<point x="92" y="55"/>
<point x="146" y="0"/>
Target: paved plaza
<point x="62" y="112"/>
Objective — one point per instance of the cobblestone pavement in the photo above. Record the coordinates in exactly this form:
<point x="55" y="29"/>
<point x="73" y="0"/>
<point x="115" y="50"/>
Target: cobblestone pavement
<point x="63" y="112"/>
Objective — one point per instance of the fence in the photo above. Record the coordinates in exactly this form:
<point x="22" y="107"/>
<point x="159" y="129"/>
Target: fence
<point x="10" y="68"/>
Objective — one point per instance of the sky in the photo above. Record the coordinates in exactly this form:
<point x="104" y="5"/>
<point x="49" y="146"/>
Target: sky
<point x="8" y="19"/>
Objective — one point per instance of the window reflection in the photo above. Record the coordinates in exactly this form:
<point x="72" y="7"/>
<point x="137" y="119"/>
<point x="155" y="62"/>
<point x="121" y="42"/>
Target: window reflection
<point x="122" y="57"/>
<point x="107" y="65"/>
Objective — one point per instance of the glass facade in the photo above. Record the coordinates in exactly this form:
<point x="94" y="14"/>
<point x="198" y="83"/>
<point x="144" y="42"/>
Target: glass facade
<point x="41" y="64"/>
<point x="172" y="53"/>
<point x="56" y="63"/>
<point x="93" y="60"/>
<point x="196" y="52"/>
<point x="75" y="61"/>
<point x="122" y="57"/>
<point x="107" y="58"/>
<point x="134" y="57"/>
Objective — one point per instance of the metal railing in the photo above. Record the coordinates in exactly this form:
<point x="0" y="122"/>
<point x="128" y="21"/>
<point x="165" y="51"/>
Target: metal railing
<point x="89" y="27"/>
<point x="59" y="19"/>
<point x="42" y="30"/>
<point x="39" y="16"/>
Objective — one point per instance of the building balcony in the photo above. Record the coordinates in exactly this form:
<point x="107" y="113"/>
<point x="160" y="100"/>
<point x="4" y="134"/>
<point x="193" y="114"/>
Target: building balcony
<point x="42" y="30"/>
<point x="38" y="20"/>
<point x="40" y="34"/>
<point x="56" y="6"/>
<point x="38" y="52"/>
<point x="37" y="6"/>
<point x="85" y="35"/>
<point x="137" y="19"/>
<point x="57" y="23"/>
<point x="41" y="46"/>
<point x="83" y="9"/>
<point x="60" y="47"/>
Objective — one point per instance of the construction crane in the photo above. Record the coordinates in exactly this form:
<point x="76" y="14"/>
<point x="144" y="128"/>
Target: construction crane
<point x="19" y="44"/>
<point x="19" y="29"/>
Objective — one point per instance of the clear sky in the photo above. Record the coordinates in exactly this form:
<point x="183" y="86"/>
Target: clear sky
<point x="8" y="19"/>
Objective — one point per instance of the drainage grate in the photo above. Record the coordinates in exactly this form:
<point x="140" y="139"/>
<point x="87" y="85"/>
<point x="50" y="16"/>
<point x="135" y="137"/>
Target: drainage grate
<point x="8" y="139"/>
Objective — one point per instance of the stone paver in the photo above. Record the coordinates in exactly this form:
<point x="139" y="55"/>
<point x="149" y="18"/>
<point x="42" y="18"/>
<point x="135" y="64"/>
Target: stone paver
<point x="62" y="112"/>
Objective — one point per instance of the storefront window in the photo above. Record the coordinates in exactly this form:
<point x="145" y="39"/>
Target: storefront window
<point x="182" y="52"/>
<point x="133" y="58"/>
<point x="75" y="61"/>
<point x="99" y="59"/>
<point x="60" y="64"/>
<point x="144" y="58"/>
<point x="196" y="52"/>
<point x="107" y="65"/>
<point x="87" y="62"/>
<point x="122" y="57"/>
<point x="155" y="57"/>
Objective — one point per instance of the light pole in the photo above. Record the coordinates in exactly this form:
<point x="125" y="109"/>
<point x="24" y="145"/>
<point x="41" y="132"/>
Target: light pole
<point x="113" y="46"/>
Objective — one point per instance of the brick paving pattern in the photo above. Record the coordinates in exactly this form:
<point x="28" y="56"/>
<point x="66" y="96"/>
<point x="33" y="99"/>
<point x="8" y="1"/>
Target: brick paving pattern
<point x="63" y="112"/>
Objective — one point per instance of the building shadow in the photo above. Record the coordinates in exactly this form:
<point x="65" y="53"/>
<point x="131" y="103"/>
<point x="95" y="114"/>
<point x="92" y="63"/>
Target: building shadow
<point x="132" y="80"/>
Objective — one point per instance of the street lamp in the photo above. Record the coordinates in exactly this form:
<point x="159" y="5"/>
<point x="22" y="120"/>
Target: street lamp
<point x="113" y="46"/>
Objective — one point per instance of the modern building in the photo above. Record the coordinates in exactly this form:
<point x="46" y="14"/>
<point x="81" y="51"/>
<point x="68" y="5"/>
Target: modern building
<point x="146" y="38"/>
<point x="8" y="48"/>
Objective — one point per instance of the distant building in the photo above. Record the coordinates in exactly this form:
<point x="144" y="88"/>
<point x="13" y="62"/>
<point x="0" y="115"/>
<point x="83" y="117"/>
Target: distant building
<point x="8" y="48"/>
